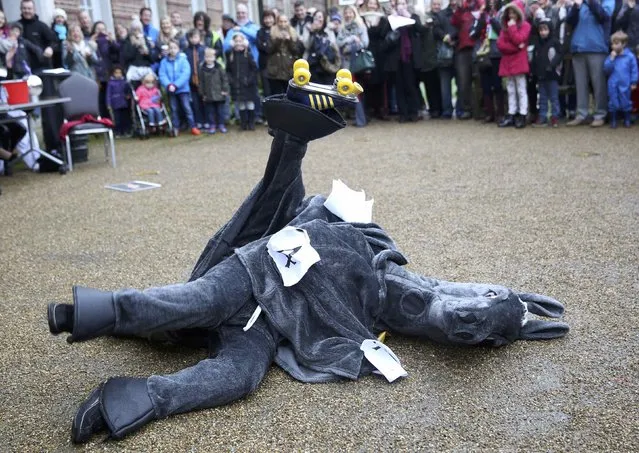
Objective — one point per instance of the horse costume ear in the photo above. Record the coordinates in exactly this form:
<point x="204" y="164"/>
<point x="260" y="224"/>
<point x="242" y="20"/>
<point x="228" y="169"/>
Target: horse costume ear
<point x="542" y="305"/>
<point x="536" y="329"/>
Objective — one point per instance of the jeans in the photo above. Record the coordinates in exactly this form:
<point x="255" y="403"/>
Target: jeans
<point x="214" y="113"/>
<point x="446" y="76"/>
<point x="155" y="116"/>
<point x="548" y="91"/>
<point x="464" y="68"/>
<point x="197" y="106"/>
<point x="183" y="100"/>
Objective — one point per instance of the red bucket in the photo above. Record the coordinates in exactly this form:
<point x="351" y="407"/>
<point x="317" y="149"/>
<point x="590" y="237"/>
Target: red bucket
<point x="17" y="91"/>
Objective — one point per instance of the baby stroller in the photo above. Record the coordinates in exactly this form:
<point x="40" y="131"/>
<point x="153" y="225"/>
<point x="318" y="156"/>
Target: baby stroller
<point x="140" y="119"/>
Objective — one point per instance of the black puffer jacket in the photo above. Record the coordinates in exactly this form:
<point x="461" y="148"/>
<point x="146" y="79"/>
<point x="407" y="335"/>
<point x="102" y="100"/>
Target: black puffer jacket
<point x="242" y="71"/>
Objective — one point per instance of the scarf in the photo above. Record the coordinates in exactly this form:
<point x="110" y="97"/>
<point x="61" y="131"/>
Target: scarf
<point x="406" y="47"/>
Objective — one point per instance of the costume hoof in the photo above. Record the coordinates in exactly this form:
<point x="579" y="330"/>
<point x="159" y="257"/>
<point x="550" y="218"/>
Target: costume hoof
<point x="88" y="420"/>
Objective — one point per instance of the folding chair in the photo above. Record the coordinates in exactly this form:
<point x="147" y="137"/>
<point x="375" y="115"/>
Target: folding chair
<point x="84" y="101"/>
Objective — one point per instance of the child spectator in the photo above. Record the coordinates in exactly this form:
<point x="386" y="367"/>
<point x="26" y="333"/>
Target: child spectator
<point x="214" y="89"/>
<point x="514" y="66"/>
<point x="20" y="53"/>
<point x="242" y="72"/>
<point x="61" y="30"/>
<point x="195" y="56"/>
<point x="149" y="97"/>
<point x="175" y="73"/>
<point x="621" y="68"/>
<point x="80" y="55"/>
<point x="117" y="100"/>
<point x="547" y="67"/>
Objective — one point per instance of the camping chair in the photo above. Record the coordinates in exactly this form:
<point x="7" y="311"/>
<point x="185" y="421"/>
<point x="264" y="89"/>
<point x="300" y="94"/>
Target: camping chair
<point x="84" y="101"/>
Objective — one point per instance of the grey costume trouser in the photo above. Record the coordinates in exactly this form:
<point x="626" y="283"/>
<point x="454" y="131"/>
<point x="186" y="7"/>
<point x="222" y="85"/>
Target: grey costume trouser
<point x="588" y="69"/>
<point x="222" y="296"/>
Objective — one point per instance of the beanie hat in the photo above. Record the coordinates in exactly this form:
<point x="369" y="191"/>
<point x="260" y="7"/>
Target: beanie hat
<point x="59" y="12"/>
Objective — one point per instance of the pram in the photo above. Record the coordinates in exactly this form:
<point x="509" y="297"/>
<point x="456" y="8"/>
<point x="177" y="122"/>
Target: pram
<point x="140" y="120"/>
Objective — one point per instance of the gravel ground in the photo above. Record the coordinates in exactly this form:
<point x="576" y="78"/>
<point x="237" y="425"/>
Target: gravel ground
<point x="552" y="211"/>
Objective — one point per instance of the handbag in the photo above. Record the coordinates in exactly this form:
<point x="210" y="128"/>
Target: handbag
<point x="362" y="61"/>
<point x="482" y="55"/>
<point x="445" y="55"/>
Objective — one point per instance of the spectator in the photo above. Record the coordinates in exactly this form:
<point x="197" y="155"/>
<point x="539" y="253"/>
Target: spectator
<point x="209" y="38"/>
<point x="534" y="13"/>
<point x="351" y="38"/>
<point x="628" y="21"/>
<point x="107" y="55"/>
<point x="403" y="47"/>
<point x="214" y="89"/>
<point x="514" y="66"/>
<point x="463" y="19"/>
<point x="263" y="39"/>
<point x="445" y="36"/>
<point x="301" y="17"/>
<point x="567" y="96"/>
<point x="118" y="98"/>
<point x="621" y="68"/>
<point x="175" y="74"/>
<point x="489" y="27"/>
<point x="195" y="56"/>
<point x="149" y="98"/>
<point x="590" y="20"/>
<point x="61" y="31"/>
<point x="86" y="24"/>
<point x="37" y="33"/>
<point x="374" y="95"/>
<point x="242" y="73"/>
<point x="284" y="47"/>
<point x="178" y="25"/>
<point x="121" y="35"/>
<point x="137" y="53"/>
<point x="146" y="17"/>
<point x="547" y="60"/>
<point x="227" y="24"/>
<point x="5" y="45"/>
<point x="166" y="34"/>
<point x="21" y="53"/>
<point x="79" y="55"/>
<point x="245" y="26"/>
<point x="320" y="49"/>
<point x="428" y="73"/>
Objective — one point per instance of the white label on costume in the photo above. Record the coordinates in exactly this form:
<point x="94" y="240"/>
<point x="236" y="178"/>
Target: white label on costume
<point x="383" y="359"/>
<point x="293" y="253"/>
<point x="253" y="318"/>
<point x="349" y="205"/>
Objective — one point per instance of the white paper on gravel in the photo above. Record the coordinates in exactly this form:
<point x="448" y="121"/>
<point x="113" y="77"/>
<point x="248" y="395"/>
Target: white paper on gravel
<point x="348" y="204"/>
<point x="382" y="358"/>
<point x="293" y="253"/>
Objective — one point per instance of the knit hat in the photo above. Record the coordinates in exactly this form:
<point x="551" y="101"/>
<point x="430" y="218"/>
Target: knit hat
<point x="228" y="17"/>
<point x="336" y="17"/>
<point x="59" y="12"/>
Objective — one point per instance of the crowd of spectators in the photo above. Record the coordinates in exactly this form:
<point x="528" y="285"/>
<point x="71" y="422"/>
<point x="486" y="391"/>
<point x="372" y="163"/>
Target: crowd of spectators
<point x="513" y="64"/>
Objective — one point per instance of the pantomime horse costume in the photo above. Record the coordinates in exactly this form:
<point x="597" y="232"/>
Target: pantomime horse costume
<point x="320" y="327"/>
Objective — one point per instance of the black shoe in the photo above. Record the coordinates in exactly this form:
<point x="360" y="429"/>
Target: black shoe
<point x="508" y="121"/>
<point x="88" y="420"/>
<point x="520" y="121"/>
<point x="465" y="116"/>
<point x="60" y="317"/>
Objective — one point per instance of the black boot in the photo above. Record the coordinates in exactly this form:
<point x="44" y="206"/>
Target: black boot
<point x="508" y="121"/>
<point x="244" y="120"/>
<point x="520" y="121"/>
<point x="120" y="406"/>
<point x="299" y="120"/>
<point x="250" y="120"/>
<point x="93" y="315"/>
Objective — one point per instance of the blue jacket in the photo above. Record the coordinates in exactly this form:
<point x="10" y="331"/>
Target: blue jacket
<point x="622" y="72"/>
<point x="591" y="25"/>
<point x="176" y="71"/>
<point x="250" y="31"/>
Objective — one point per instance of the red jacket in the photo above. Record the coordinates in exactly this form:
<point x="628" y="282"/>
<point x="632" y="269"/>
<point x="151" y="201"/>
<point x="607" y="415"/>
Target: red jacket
<point x="463" y="20"/>
<point x="513" y="43"/>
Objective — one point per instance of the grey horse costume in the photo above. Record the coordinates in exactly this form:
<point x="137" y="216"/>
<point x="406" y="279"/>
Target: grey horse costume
<point x="313" y="329"/>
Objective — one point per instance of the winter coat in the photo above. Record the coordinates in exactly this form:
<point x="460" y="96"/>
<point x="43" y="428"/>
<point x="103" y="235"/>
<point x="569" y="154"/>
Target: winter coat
<point x="176" y="71"/>
<point x="591" y="26"/>
<point x="241" y="69"/>
<point x="375" y="44"/>
<point x="131" y="55"/>
<point x="429" y="46"/>
<point x="320" y="45"/>
<point x="513" y="43"/>
<point x="148" y="97"/>
<point x="489" y="26"/>
<point x="61" y="32"/>
<point x="622" y="72"/>
<point x="38" y="33"/>
<point x="213" y="81"/>
<point x="282" y="53"/>
<point x="263" y="38"/>
<point x="547" y="58"/>
<point x="463" y="20"/>
<point x="108" y="55"/>
<point x="75" y="61"/>
<point x="346" y="44"/>
<point x="392" y="44"/>
<point x="26" y="53"/>
<point x="191" y="53"/>
<point x="628" y="21"/>
<point x="441" y="28"/>
<point x="117" y="93"/>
